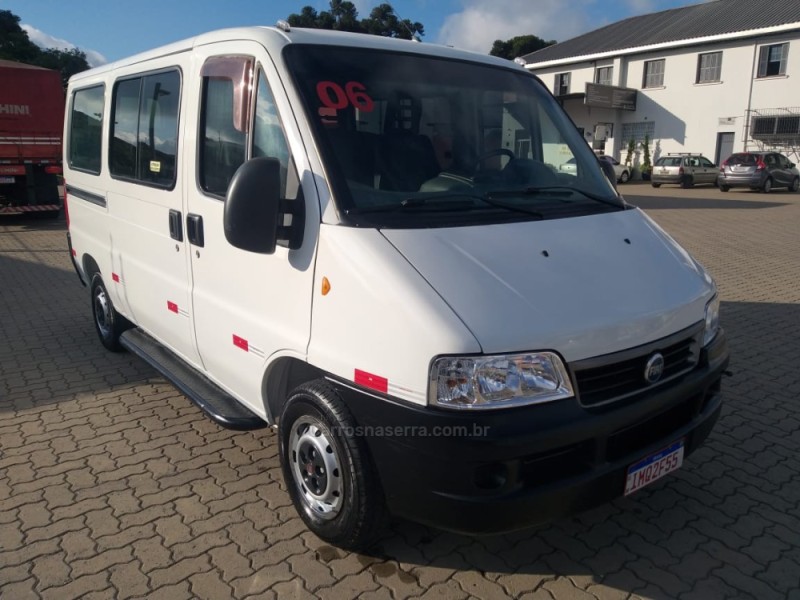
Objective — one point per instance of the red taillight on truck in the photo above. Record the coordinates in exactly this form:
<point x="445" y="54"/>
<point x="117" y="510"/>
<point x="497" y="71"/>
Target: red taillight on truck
<point x="723" y="165"/>
<point x="680" y="171"/>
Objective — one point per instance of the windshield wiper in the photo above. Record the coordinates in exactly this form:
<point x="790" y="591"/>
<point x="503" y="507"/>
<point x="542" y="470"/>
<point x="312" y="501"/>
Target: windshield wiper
<point x="561" y="190"/>
<point x="434" y="203"/>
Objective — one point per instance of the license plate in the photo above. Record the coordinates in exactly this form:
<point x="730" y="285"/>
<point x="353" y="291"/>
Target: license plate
<point x="663" y="171"/>
<point x="6" y="179"/>
<point x="654" y="467"/>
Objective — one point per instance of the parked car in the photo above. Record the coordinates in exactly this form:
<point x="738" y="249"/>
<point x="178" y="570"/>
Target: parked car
<point x="570" y="167"/>
<point x="620" y="170"/>
<point x="758" y="171"/>
<point x="685" y="170"/>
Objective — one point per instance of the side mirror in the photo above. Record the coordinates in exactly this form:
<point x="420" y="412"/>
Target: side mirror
<point x="254" y="217"/>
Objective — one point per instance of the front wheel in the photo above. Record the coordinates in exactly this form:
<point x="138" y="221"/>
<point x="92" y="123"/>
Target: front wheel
<point x="656" y="185"/>
<point x="624" y="177"/>
<point x="724" y="188"/>
<point x="108" y="323"/>
<point x="795" y="184"/>
<point x="328" y="469"/>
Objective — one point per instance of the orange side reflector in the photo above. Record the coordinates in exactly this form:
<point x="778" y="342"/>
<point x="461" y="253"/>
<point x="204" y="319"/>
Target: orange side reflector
<point x="326" y="286"/>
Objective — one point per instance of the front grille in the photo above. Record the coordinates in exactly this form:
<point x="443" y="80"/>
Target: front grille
<point x="620" y="375"/>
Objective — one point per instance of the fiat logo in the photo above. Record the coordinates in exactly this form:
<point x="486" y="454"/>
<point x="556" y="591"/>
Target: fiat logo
<point x="654" y="368"/>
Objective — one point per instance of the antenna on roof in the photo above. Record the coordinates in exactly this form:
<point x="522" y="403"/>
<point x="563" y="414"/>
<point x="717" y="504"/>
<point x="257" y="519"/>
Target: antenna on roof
<point x="284" y="26"/>
<point x="414" y="36"/>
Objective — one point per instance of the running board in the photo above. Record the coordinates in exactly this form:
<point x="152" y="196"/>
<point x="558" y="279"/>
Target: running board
<point x="220" y="406"/>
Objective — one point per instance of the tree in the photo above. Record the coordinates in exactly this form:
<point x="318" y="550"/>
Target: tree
<point x="343" y="16"/>
<point x="646" y="166"/>
<point x="16" y="45"/>
<point x="14" y="42"/>
<point x="519" y="46"/>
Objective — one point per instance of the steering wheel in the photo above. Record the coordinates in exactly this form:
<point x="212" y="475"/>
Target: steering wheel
<point x="490" y="154"/>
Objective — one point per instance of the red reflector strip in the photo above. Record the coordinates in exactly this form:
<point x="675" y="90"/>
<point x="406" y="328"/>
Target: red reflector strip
<point x="172" y="307"/>
<point x="371" y="381"/>
<point x="241" y="343"/>
<point x="52" y="169"/>
<point x="74" y="252"/>
<point x="115" y="277"/>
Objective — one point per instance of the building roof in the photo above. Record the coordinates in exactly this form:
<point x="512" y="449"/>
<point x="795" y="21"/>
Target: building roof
<point x="687" y="23"/>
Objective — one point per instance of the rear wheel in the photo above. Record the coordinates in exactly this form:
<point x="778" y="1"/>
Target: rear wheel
<point x="108" y="323"/>
<point x="687" y="182"/>
<point x="724" y="188"/>
<point x="328" y="470"/>
<point x="656" y="185"/>
<point x="767" y="187"/>
<point x="795" y="184"/>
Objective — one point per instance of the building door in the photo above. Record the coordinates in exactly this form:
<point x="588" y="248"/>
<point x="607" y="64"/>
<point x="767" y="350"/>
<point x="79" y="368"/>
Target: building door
<point x="724" y="147"/>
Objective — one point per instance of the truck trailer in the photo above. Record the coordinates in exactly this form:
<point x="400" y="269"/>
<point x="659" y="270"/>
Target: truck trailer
<point x="31" y="124"/>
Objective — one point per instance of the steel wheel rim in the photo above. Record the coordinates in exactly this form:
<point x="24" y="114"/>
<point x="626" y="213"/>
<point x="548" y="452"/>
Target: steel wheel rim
<point x="102" y="312"/>
<point x="315" y="469"/>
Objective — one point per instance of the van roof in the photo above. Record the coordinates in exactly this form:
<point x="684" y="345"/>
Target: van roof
<point x="274" y="38"/>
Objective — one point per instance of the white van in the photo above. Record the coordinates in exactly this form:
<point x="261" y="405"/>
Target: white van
<point x="368" y="244"/>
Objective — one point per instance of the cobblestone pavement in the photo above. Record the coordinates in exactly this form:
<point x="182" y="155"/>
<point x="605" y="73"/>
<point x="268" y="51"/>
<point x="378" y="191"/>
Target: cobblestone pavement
<point x="113" y="485"/>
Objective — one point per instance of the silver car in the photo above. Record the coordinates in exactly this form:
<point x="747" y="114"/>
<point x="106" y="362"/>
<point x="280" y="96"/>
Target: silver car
<point x="621" y="171"/>
<point x="758" y="171"/>
<point x="685" y="170"/>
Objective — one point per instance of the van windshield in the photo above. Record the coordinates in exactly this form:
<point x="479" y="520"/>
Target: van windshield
<point x="418" y="141"/>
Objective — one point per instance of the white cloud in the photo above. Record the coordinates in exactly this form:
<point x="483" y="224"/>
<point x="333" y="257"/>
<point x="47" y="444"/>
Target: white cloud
<point x="481" y="22"/>
<point x="45" y="40"/>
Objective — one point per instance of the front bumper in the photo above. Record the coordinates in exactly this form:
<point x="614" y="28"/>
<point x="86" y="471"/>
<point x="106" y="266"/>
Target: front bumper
<point x="509" y="469"/>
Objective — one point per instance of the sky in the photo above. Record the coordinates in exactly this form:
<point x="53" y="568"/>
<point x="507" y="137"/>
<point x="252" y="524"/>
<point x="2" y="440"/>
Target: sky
<point x="109" y="30"/>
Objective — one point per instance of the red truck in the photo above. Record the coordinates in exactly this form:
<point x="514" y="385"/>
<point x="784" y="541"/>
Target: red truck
<point x="31" y="126"/>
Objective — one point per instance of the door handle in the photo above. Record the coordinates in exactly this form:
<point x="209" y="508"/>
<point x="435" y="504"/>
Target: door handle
<point x="194" y="229"/>
<point x="175" y="227"/>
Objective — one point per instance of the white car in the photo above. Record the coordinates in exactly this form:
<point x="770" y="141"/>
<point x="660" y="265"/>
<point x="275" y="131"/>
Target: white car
<point x="268" y="218"/>
<point x="622" y="171"/>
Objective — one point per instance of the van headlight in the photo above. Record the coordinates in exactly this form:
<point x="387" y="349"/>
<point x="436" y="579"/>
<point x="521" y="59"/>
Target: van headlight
<point x="712" y="320"/>
<point x="484" y="382"/>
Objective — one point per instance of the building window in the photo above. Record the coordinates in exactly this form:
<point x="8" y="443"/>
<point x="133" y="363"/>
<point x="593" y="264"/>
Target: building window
<point x="772" y="60"/>
<point x="637" y="131"/>
<point x="653" y="74"/>
<point x="604" y="75"/>
<point x="86" y="129"/>
<point x="709" y="67"/>
<point x="562" y="84"/>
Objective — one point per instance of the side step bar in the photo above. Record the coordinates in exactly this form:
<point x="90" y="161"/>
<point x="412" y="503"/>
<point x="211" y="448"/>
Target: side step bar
<point x="222" y="408"/>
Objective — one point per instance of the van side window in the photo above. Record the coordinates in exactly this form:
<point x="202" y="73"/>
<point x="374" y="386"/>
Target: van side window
<point x="86" y="129"/>
<point x="223" y="121"/>
<point x="144" y="129"/>
<point x="268" y="137"/>
<point x="125" y="128"/>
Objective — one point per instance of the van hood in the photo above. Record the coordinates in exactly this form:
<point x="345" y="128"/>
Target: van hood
<point x="582" y="286"/>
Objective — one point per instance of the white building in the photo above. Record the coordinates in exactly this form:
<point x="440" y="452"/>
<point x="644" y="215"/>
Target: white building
<point x="713" y="78"/>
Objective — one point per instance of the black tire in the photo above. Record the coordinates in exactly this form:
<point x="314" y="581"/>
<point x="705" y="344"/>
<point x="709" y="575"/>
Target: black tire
<point x="346" y="509"/>
<point x="656" y="185"/>
<point x="108" y="323"/>
<point x="795" y="185"/>
<point x="724" y="188"/>
<point x="767" y="187"/>
<point x="624" y="177"/>
<point x="687" y="182"/>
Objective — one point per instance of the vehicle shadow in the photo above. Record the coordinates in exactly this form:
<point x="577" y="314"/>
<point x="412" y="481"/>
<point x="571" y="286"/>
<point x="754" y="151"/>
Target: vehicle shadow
<point x="50" y="350"/>
<point x="704" y="528"/>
